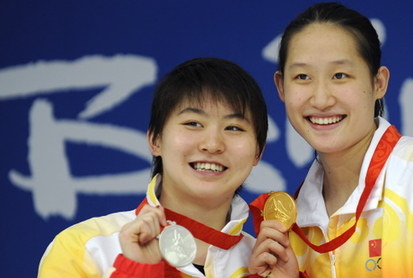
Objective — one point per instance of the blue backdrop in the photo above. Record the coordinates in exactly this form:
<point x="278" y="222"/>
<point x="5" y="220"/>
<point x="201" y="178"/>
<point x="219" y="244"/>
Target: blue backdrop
<point x="76" y="80"/>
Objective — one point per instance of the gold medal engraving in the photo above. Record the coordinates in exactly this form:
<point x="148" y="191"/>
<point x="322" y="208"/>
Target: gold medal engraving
<point x="280" y="206"/>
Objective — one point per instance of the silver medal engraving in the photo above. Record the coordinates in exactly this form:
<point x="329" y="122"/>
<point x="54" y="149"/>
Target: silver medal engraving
<point x="177" y="245"/>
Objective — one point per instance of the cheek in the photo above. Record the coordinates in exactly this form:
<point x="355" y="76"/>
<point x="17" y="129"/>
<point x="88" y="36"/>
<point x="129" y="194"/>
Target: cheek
<point x="244" y="150"/>
<point x="356" y="97"/>
<point x="293" y="106"/>
<point x="295" y="99"/>
<point x="177" y="142"/>
<point x="182" y="143"/>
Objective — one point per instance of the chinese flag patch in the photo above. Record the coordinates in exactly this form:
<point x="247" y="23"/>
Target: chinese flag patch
<point x="375" y="247"/>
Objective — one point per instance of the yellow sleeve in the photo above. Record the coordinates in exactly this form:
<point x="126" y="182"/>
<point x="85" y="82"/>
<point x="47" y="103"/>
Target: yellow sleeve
<point x="67" y="257"/>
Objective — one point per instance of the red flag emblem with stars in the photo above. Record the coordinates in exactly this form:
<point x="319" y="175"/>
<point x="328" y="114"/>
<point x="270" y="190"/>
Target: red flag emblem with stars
<point x="375" y="247"/>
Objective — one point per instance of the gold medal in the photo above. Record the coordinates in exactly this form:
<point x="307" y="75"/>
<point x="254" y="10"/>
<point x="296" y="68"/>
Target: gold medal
<point x="280" y="206"/>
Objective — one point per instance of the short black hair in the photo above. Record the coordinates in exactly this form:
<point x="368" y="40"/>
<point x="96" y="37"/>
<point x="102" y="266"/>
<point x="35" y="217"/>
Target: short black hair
<point x="200" y="78"/>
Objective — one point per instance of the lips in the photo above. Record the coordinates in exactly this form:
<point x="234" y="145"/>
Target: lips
<point x="326" y="120"/>
<point x="208" y="167"/>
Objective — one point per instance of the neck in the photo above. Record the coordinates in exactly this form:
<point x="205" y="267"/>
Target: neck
<point x="342" y="172"/>
<point x="214" y="216"/>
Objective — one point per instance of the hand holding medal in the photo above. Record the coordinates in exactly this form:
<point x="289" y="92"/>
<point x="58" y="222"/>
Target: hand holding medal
<point x="280" y="206"/>
<point x="150" y="238"/>
<point x="272" y="238"/>
<point x="177" y="245"/>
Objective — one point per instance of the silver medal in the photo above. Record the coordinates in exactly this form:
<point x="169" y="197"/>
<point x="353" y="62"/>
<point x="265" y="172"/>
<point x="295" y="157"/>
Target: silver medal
<point x="177" y="245"/>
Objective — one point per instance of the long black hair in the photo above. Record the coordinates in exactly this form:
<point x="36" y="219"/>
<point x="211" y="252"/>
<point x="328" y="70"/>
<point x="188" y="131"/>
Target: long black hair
<point x="360" y="26"/>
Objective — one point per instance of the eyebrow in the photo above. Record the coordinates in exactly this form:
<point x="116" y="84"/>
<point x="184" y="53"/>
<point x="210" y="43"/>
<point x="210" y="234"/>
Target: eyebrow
<point x="203" y="113"/>
<point x="335" y="62"/>
<point x="343" y="62"/>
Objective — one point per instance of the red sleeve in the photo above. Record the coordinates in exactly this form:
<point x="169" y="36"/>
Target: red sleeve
<point x="126" y="268"/>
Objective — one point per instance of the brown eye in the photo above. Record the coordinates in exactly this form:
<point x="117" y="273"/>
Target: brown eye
<point x="234" y="128"/>
<point x="302" y="76"/>
<point x="339" y="75"/>
<point x="192" y="123"/>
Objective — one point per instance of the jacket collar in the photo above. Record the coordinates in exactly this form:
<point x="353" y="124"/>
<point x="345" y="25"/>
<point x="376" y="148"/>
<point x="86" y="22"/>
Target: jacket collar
<point x="310" y="201"/>
<point x="239" y="208"/>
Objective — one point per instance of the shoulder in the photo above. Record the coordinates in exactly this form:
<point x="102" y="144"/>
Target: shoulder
<point x="88" y="247"/>
<point x="96" y="226"/>
<point x="399" y="169"/>
<point x="404" y="148"/>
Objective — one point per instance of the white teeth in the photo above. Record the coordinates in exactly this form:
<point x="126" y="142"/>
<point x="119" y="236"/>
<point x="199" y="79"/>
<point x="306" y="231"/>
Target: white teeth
<point x="325" y="121"/>
<point x="208" y="167"/>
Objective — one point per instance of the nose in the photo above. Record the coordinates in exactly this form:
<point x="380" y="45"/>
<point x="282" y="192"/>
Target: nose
<point x="212" y="142"/>
<point x="323" y="95"/>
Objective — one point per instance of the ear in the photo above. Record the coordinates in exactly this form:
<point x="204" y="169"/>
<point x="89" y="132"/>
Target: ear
<point x="154" y="143"/>
<point x="278" y="80"/>
<point x="381" y="81"/>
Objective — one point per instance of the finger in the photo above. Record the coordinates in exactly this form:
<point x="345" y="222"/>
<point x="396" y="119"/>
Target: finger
<point x="158" y="211"/>
<point x="148" y="227"/>
<point x="267" y="262"/>
<point x="274" y="224"/>
<point x="142" y="229"/>
<point x="128" y="233"/>
<point x="150" y="218"/>
<point x="258" y="265"/>
<point x="162" y="216"/>
<point x="260" y="256"/>
<point x="259" y="270"/>
<point x="272" y="247"/>
<point x="271" y="230"/>
<point x="278" y="250"/>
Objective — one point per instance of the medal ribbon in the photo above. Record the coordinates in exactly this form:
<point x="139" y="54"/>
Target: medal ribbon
<point x="381" y="153"/>
<point x="199" y="230"/>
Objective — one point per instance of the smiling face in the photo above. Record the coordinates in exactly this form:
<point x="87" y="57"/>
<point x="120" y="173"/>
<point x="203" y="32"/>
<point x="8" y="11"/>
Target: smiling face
<point x="328" y="89"/>
<point x="207" y="151"/>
